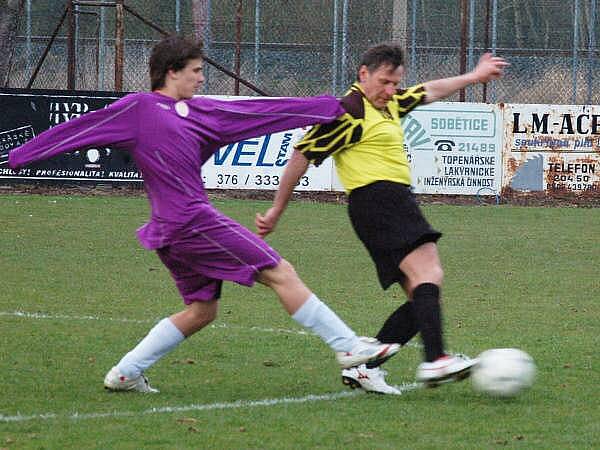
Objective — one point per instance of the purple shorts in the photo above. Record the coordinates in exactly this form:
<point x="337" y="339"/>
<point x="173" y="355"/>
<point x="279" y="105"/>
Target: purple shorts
<point x="217" y="248"/>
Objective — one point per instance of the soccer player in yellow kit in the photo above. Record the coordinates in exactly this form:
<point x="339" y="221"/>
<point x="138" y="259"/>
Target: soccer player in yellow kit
<point x="367" y="145"/>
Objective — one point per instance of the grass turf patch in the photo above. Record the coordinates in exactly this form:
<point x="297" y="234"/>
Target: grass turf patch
<point x="518" y="277"/>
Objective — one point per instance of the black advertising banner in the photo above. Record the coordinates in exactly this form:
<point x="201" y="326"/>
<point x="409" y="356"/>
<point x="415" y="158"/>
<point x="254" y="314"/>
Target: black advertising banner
<point x="27" y="113"/>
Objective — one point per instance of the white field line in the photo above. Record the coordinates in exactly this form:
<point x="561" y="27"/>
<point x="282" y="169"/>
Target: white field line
<point x="405" y="387"/>
<point x="240" y="404"/>
<point x="38" y="315"/>
<point x="42" y="316"/>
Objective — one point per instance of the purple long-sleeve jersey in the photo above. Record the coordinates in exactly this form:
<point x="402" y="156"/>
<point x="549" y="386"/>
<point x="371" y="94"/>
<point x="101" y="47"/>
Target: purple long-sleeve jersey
<point x="170" y="140"/>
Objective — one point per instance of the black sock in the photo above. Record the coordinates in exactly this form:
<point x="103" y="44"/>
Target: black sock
<point x="399" y="328"/>
<point x="426" y="299"/>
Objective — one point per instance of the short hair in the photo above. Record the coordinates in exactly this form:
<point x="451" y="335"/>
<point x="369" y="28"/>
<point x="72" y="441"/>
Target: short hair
<point x="382" y="55"/>
<point x="171" y="53"/>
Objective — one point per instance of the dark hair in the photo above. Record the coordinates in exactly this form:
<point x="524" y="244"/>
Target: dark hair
<point x="171" y="53"/>
<point x="382" y="55"/>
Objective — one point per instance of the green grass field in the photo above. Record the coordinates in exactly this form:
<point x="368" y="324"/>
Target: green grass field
<point x="77" y="291"/>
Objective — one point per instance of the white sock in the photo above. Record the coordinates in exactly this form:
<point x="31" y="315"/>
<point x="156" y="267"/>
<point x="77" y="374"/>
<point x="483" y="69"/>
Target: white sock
<point x="317" y="317"/>
<point x="161" y="339"/>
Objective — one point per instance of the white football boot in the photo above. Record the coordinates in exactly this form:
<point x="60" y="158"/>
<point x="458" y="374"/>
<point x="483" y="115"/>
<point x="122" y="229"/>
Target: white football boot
<point x="370" y="380"/>
<point x="445" y="369"/>
<point x="366" y="350"/>
<point x="114" y="381"/>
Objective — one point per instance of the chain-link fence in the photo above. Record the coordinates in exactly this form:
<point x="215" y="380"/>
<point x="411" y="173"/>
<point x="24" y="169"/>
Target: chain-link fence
<point x="306" y="47"/>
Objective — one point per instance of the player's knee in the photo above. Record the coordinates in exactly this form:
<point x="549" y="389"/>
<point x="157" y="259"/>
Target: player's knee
<point x="286" y="272"/>
<point x="209" y="317"/>
<point x="433" y="274"/>
<point x="287" y="267"/>
<point x="437" y="275"/>
<point x="201" y="314"/>
<point x="281" y="274"/>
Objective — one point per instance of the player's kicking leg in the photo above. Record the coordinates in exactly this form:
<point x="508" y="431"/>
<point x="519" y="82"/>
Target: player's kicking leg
<point x="445" y="369"/>
<point x="310" y="312"/>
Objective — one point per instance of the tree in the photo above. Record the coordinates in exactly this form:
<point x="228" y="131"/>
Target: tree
<point x="10" y="10"/>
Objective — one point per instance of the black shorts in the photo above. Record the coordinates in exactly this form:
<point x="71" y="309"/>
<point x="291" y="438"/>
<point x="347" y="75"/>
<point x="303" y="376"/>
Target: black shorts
<point x="388" y="220"/>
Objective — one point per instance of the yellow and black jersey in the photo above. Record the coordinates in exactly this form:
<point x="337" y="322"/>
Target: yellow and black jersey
<point x="366" y="143"/>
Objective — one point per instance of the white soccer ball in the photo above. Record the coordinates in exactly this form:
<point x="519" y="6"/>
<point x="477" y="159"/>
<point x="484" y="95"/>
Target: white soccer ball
<point x="503" y="372"/>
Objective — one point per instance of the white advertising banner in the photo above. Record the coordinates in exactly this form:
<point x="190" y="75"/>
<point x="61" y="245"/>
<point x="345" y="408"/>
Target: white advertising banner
<point x="552" y="148"/>
<point x="259" y="163"/>
<point x="455" y="148"/>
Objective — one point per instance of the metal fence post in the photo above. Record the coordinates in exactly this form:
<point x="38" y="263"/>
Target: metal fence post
<point x="28" y="46"/>
<point x="256" y="39"/>
<point x="486" y="45"/>
<point x="575" y="50"/>
<point x="494" y="43"/>
<point x="207" y="42"/>
<point x="101" y="49"/>
<point x="206" y="24"/>
<point x="238" y="46"/>
<point x="71" y="47"/>
<point x="76" y="43"/>
<point x="119" y="44"/>
<point x="344" y="62"/>
<point x="463" y="43"/>
<point x="334" y="44"/>
<point x="413" y="43"/>
<point x="591" y="50"/>
<point x="471" y="47"/>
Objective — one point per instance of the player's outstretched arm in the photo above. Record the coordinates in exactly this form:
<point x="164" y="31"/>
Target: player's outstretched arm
<point x="237" y="120"/>
<point x="488" y="68"/>
<point x="295" y="168"/>
<point x="113" y="125"/>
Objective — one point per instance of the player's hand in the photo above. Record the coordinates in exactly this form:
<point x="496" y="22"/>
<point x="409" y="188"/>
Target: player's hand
<point x="490" y="68"/>
<point x="265" y="224"/>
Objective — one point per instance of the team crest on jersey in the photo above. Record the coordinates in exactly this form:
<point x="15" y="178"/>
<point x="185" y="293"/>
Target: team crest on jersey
<point x="182" y="108"/>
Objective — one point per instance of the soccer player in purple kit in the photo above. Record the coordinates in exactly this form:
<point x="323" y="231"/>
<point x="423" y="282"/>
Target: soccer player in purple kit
<point x="171" y="134"/>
